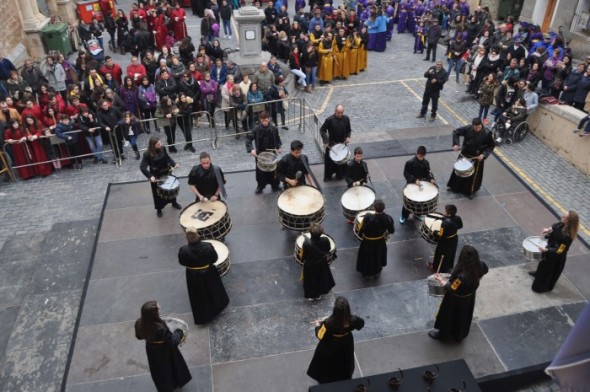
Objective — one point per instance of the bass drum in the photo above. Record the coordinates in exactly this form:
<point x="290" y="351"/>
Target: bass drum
<point x="355" y="200"/>
<point x="299" y="247"/>
<point x="210" y="218"/>
<point x="301" y="206"/>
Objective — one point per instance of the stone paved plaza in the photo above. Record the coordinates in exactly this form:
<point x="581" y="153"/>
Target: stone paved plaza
<point x="49" y="225"/>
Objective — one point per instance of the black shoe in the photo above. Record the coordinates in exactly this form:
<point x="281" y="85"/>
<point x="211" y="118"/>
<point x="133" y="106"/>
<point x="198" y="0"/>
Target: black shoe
<point x="104" y="161"/>
<point x="421" y="115"/>
<point x="137" y="155"/>
<point x="471" y="196"/>
<point x="95" y="160"/>
<point x="432" y="118"/>
<point x="192" y="149"/>
<point x="276" y="189"/>
<point x="123" y="157"/>
<point x="285" y="128"/>
<point x="173" y="149"/>
<point x="532" y="273"/>
<point x="159" y="213"/>
<point x="258" y="191"/>
<point x="177" y="206"/>
<point x="425" y="59"/>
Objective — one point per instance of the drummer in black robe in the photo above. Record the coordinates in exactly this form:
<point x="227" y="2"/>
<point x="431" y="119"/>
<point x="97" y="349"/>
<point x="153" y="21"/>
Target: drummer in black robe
<point x="415" y="170"/>
<point x="206" y="180"/>
<point x="333" y="359"/>
<point x="335" y="130"/>
<point x="553" y="257"/>
<point x="372" y="254"/>
<point x="267" y="138"/>
<point x="293" y="169"/>
<point x="317" y="277"/>
<point x="157" y="163"/>
<point x="455" y="313"/>
<point x="478" y="144"/>
<point x="356" y="171"/>
<point x="205" y="289"/>
<point x="167" y="366"/>
<point x="446" y="248"/>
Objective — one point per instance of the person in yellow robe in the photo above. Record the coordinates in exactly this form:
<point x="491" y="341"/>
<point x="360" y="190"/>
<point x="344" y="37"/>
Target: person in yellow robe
<point x="355" y="43"/>
<point x="326" y="65"/>
<point x="340" y="47"/>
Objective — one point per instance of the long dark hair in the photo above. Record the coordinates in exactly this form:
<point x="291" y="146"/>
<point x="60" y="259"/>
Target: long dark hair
<point x="149" y="322"/>
<point x="469" y="265"/>
<point x="341" y="313"/>
<point x="152" y="150"/>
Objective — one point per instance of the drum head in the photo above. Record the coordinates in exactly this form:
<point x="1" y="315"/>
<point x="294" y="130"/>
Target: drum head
<point x="339" y="152"/>
<point x="267" y="157"/>
<point x="429" y="191"/>
<point x="361" y="215"/>
<point x="463" y="164"/>
<point x="301" y="200"/>
<point x="205" y="214"/>
<point x="433" y="221"/>
<point x="533" y="243"/>
<point x="174" y="323"/>
<point x="358" y="198"/>
<point x="169" y="182"/>
<point x="221" y="249"/>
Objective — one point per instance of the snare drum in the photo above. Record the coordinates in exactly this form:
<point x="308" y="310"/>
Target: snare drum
<point x="175" y="323"/>
<point x="168" y="187"/>
<point x="435" y="289"/>
<point x="431" y="223"/>
<point x="358" y="220"/>
<point x="530" y="248"/>
<point x="299" y="246"/>
<point x="223" y="262"/>
<point x="339" y="153"/>
<point x="267" y="161"/>
<point x="421" y="200"/>
<point x="301" y="206"/>
<point x="464" y="167"/>
<point x="355" y="200"/>
<point x="210" y="218"/>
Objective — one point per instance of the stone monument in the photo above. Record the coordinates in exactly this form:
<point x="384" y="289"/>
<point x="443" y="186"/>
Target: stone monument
<point x="250" y="56"/>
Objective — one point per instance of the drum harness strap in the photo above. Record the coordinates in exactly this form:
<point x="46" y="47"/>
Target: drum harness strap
<point x="339" y="335"/>
<point x="197" y="268"/>
<point x="158" y="342"/>
<point x="219" y="179"/>
<point x="374" y="238"/>
<point x="451" y="236"/>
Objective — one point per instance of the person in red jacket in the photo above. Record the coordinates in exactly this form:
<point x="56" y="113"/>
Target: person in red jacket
<point x="74" y="108"/>
<point x="33" y="110"/>
<point x="34" y="132"/>
<point x="136" y="70"/>
<point x="114" y="69"/>
<point x="160" y="29"/>
<point x="178" y="16"/>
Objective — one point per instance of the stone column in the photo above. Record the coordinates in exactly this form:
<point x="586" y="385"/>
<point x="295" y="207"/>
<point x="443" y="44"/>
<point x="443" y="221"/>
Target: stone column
<point x="32" y="26"/>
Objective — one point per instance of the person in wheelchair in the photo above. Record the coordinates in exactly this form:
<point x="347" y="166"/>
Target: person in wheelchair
<point x="510" y="119"/>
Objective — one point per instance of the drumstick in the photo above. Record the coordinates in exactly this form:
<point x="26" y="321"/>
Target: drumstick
<point x="440" y="264"/>
<point x="533" y="243"/>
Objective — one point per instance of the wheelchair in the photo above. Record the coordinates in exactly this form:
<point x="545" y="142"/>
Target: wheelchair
<point x="515" y="133"/>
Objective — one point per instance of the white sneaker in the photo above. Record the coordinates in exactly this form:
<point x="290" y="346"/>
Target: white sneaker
<point x="230" y="37"/>
<point x="224" y="36"/>
<point x="499" y="140"/>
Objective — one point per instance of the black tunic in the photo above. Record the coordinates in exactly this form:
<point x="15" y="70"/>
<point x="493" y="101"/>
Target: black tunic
<point x="474" y="144"/>
<point x="204" y="180"/>
<point x="553" y="261"/>
<point x="447" y="243"/>
<point x="167" y="366"/>
<point x="456" y="309"/>
<point x="266" y="138"/>
<point x="157" y="166"/>
<point x="416" y="169"/>
<point x="372" y="254"/>
<point x="333" y="359"/>
<point x="334" y="131"/>
<point x="356" y="171"/>
<point x="288" y="167"/>
<point x="205" y="289"/>
<point x="317" y="277"/>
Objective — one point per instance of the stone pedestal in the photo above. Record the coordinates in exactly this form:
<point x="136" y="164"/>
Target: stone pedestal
<point x="248" y="20"/>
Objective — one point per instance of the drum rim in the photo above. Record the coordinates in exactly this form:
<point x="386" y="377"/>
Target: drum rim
<point x="428" y="187"/>
<point x="349" y="191"/>
<point x="526" y="242"/>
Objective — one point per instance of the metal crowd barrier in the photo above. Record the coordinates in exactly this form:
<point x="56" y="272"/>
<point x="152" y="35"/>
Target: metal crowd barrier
<point x="293" y="117"/>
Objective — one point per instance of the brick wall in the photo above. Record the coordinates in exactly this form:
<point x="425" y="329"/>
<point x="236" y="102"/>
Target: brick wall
<point x="11" y="28"/>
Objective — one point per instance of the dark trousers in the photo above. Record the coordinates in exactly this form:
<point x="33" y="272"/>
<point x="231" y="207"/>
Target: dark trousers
<point x="330" y="168"/>
<point x="431" y="48"/>
<point x="430" y="95"/>
<point x="405" y="213"/>
<point x="170" y="131"/>
<point x="185" y="123"/>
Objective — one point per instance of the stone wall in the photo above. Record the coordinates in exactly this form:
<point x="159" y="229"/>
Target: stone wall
<point x="493" y="5"/>
<point x="12" y="32"/>
<point x="553" y="125"/>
